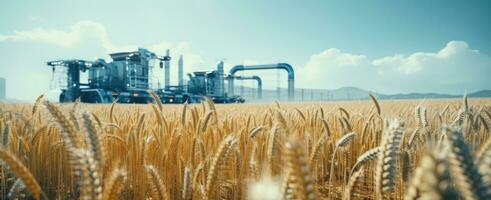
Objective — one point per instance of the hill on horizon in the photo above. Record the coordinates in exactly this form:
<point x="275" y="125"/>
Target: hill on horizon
<point x="344" y="93"/>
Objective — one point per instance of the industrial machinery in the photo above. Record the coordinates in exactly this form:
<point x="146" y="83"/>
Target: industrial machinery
<point x="176" y="94"/>
<point x="201" y="84"/>
<point x="212" y="84"/>
<point x="126" y="78"/>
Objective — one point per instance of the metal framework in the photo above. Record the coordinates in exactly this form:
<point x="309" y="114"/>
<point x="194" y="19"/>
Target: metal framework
<point x="285" y="66"/>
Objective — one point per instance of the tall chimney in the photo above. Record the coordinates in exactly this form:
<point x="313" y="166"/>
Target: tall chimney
<point x="180" y="70"/>
<point x="167" y="71"/>
<point x="219" y="90"/>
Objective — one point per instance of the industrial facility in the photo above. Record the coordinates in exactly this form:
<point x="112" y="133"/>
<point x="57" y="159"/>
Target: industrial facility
<point x="126" y="79"/>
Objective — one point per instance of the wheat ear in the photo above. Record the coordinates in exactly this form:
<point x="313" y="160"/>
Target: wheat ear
<point x="463" y="170"/>
<point x="314" y="156"/>
<point x="206" y="121"/>
<point x="274" y="147"/>
<point x="158" y="190"/>
<point x="326" y="128"/>
<point x="385" y="170"/>
<point x="254" y="131"/>
<point x="483" y="160"/>
<point x="342" y="142"/>
<point x="111" y="111"/>
<point x="187" y="189"/>
<point x="115" y="184"/>
<point x="301" y="114"/>
<point x="35" y="108"/>
<point x="22" y="172"/>
<point x="253" y="171"/>
<point x="94" y="139"/>
<point x="298" y="164"/>
<point x="68" y="130"/>
<point x="220" y="160"/>
<point x="286" y="186"/>
<point x="365" y="158"/>
<point x="375" y="102"/>
<point x="156" y="99"/>
<point x="88" y="169"/>
<point x="431" y="180"/>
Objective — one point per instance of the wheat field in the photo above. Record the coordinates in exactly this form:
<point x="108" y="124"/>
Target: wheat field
<point x="419" y="149"/>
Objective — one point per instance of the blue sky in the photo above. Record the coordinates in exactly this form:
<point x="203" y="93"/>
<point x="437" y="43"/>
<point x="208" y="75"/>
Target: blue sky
<point x="385" y="46"/>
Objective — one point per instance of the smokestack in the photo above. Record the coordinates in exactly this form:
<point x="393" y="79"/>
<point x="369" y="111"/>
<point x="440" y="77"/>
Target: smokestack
<point x="180" y="70"/>
<point x="219" y="91"/>
<point x="167" y="71"/>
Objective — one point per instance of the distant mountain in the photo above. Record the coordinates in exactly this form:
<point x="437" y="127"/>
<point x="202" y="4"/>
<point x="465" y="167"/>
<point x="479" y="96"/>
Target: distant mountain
<point x="417" y="96"/>
<point x="478" y="94"/>
<point x="348" y="93"/>
<point x="345" y="93"/>
<point x="481" y="93"/>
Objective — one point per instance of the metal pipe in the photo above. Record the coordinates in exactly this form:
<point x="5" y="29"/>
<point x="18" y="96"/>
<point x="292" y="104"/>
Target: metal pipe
<point x="285" y="66"/>
<point x="254" y="77"/>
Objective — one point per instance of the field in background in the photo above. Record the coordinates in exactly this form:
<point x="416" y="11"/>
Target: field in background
<point x="350" y="150"/>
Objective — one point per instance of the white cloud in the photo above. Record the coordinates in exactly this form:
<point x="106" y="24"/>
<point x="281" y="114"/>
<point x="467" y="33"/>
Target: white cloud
<point x="85" y="31"/>
<point x="78" y="32"/>
<point x="417" y="62"/>
<point x="335" y="58"/>
<point x="332" y="68"/>
<point x="455" y="69"/>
